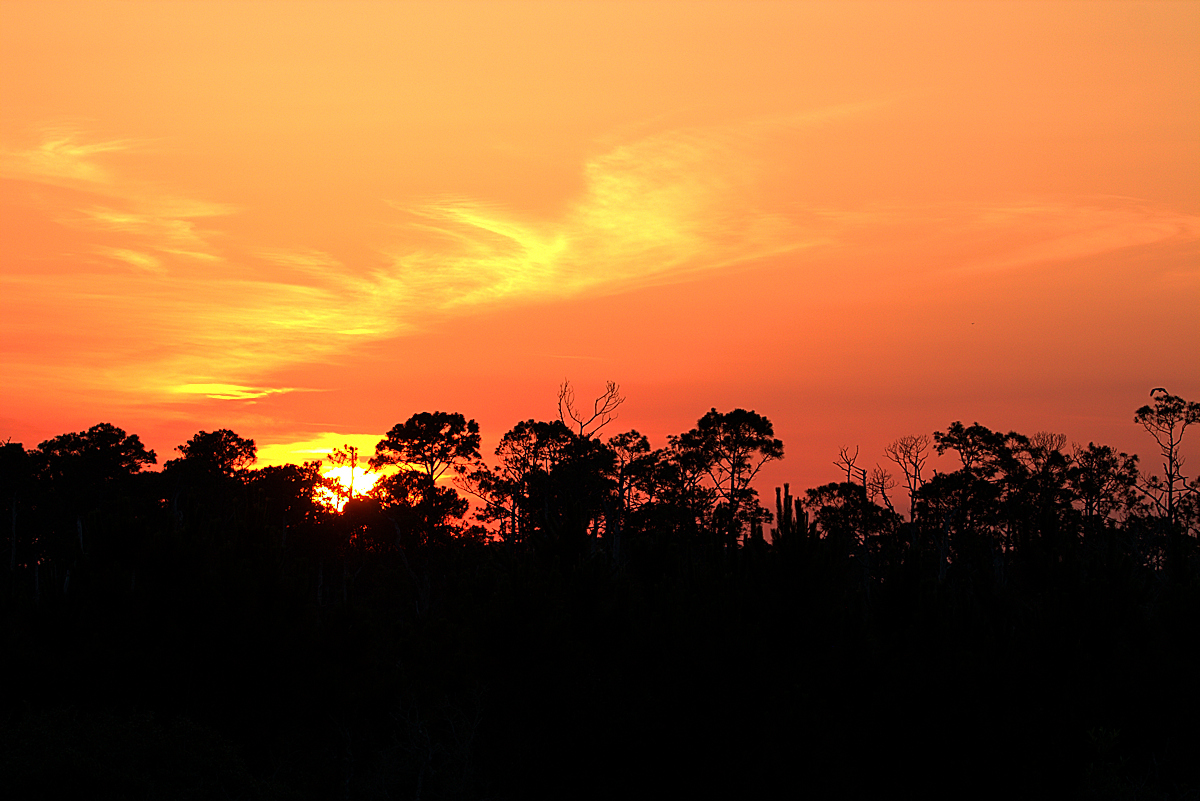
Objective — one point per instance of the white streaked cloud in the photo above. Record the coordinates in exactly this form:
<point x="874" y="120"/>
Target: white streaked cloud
<point x="229" y="391"/>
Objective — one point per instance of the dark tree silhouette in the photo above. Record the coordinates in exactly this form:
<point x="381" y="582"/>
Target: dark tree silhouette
<point x="733" y="447"/>
<point x="528" y="453"/>
<point x="205" y="486"/>
<point x="249" y="641"/>
<point x="979" y="448"/>
<point x="1167" y="420"/>
<point x="1103" y="482"/>
<point x="15" y="482"/>
<point x="216" y="453"/>
<point x="633" y="465"/>
<point x="93" y="458"/>
<point x="285" y="498"/>
<point x="431" y="442"/>
<point x="86" y="471"/>
<point x="425" y="448"/>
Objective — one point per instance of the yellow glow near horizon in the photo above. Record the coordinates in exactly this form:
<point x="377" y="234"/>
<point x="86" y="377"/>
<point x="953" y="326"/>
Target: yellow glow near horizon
<point x="316" y="447"/>
<point x="319" y="448"/>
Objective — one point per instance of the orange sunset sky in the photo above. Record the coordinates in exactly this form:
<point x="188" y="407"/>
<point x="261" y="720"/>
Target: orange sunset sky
<point x="307" y="221"/>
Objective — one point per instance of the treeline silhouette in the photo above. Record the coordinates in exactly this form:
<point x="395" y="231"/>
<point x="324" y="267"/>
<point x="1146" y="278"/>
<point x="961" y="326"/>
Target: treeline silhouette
<point x="584" y="616"/>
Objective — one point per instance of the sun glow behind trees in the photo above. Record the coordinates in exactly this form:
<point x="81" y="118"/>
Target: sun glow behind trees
<point x="345" y="483"/>
<point x="323" y="447"/>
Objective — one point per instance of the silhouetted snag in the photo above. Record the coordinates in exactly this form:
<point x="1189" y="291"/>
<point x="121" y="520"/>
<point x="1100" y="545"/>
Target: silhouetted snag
<point x="604" y="409"/>
<point x="910" y="454"/>
<point x="1043" y="443"/>
<point x="846" y="461"/>
<point x="878" y="485"/>
<point x="857" y="475"/>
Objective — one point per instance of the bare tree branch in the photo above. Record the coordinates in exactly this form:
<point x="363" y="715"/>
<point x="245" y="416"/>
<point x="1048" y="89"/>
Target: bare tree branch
<point x="910" y="453"/>
<point x="604" y="409"/>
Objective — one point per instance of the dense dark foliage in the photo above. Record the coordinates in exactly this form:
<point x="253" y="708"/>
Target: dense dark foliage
<point x="617" y="620"/>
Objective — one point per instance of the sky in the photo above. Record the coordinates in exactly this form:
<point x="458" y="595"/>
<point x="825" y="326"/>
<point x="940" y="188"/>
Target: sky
<point x="308" y="221"/>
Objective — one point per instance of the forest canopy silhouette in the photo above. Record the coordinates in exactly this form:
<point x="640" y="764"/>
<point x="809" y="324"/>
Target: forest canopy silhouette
<point x="578" y="613"/>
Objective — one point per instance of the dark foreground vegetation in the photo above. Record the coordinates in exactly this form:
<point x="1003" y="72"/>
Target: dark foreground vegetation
<point x="610" y="621"/>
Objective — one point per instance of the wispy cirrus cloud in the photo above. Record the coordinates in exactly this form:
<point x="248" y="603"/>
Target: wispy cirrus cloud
<point x="183" y="319"/>
<point x="651" y="210"/>
<point x="675" y="204"/>
<point x="109" y="203"/>
<point x="143" y="261"/>
<point x="657" y="209"/>
<point x="229" y="391"/>
<point x="61" y="157"/>
<point x="960" y="239"/>
<point x="166" y="224"/>
<point x="1058" y="230"/>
